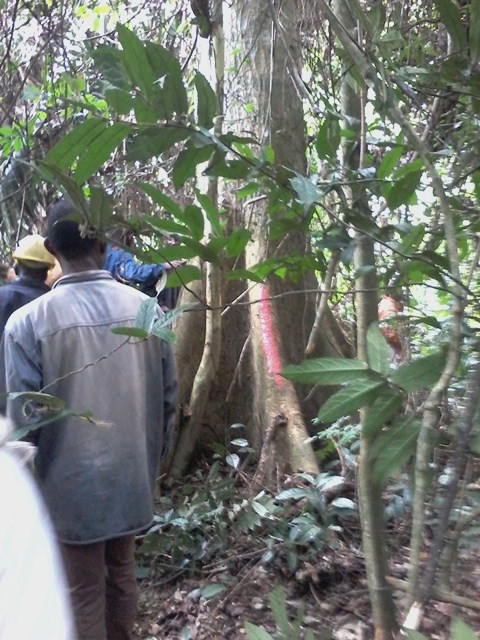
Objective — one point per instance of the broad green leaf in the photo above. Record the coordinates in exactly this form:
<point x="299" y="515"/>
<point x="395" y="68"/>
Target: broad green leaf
<point x="327" y="371"/>
<point x="109" y="61"/>
<point x="474" y="32"/>
<point x="328" y="137"/>
<point x="170" y="316"/>
<point x="101" y="208"/>
<point x="22" y="431"/>
<point x="236" y="242"/>
<point x="392" y="448"/>
<point x="183" y="275"/>
<point x="45" y="399"/>
<point x="461" y="631"/>
<point x="193" y="217"/>
<point x="385" y="407"/>
<point x="146" y="314"/>
<point x="232" y="169"/>
<point x="186" y="164"/>
<point x="163" y="333"/>
<point x="295" y="493"/>
<point x="203" y="251"/>
<point x="402" y="190"/>
<point x="161" y="199"/>
<point x="70" y="189"/>
<point x="131" y="332"/>
<point x="349" y="399"/>
<point x="307" y="192"/>
<point x="99" y="150"/>
<point x="206" y="101"/>
<point x="389" y="161"/>
<point x="414" y="635"/>
<point x="420" y="373"/>
<point x="377" y="350"/>
<point x="63" y="154"/>
<point x="452" y="19"/>
<point x="211" y="212"/>
<point x="135" y="60"/>
<point x="212" y="590"/>
<point x="243" y="274"/>
<point x="120" y="100"/>
<point x="169" y="96"/>
<point x="256" y="633"/>
<point x="279" y="610"/>
<point x="154" y="141"/>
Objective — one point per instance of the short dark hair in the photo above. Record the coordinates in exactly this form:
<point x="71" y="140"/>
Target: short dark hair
<point x="64" y="232"/>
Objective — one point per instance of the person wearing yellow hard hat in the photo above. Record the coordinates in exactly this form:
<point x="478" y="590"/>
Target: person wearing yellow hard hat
<point x="32" y="263"/>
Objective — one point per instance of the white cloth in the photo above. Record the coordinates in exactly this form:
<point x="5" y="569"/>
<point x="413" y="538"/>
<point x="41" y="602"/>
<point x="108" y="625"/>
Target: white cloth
<point x="33" y="594"/>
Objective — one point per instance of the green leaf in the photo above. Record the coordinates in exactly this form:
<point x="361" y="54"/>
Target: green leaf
<point x="420" y="373"/>
<point x="385" y="407"/>
<point x="243" y="274"/>
<point x="307" y="192"/>
<point x="186" y="164"/>
<point x="401" y="192"/>
<point x="327" y="371"/>
<point x="236" y="242"/>
<point x="212" y="590"/>
<point x="452" y="19"/>
<point x="183" y="275"/>
<point x="101" y="208"/>
<point x="414" y="635"/>
<point x="460" y="631"/>
<point x="328" y="138"/>
<point x="161" y="199"/>
<point x="377" y="350"/>
<point x="206" y="101"/>
<point x="163" y="333"/>
<point x="279" y="610"/>
<point x="135" y="60"/>
<point x="72" y="190"/>
<point x="391" y="449"/>
<point x="63" y="154"/>
<point x="389" y="161"/>
<point x="211" y="212"/>
<point x="109" y="61"/>
<point x="169" y="95"/>
<point x="474" y="31"/>
<point x="99" y="150"/>
<point x="45" y="399"/>
<point x="153" y="141"/>
<point x="121" y="101"/>
<point x="256" y="633"/>
<point x="131" y="332"/>
<point x="193" y="217"/>
<point x="349" y="399"/>
<point x="146" y="314"/>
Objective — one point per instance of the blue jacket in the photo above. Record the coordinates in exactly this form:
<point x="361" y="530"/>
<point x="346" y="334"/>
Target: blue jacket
<point x="15" y="294"/>
<point x="126" y="269"/>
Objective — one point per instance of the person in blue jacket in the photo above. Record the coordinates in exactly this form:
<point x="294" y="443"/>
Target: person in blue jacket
<point x="122" y="265"/>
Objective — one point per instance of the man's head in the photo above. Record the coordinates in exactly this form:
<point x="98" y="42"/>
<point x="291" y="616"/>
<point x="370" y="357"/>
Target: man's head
<point x="75" y="247"/>
<point x="32" y="258"/>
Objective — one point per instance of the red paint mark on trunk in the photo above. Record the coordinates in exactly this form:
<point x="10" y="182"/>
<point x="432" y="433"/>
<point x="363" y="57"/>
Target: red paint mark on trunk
<point x="269" y="342"/>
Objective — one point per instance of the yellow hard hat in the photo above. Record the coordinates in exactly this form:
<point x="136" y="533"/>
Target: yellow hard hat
<point x="31" y="252"/>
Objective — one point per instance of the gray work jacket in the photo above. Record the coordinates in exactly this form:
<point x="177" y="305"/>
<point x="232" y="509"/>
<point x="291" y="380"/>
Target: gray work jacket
<point x="97" y="476"/>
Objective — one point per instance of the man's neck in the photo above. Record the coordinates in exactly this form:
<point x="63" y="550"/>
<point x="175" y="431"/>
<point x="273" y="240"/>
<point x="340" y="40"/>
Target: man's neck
<point x="76" y="266"/>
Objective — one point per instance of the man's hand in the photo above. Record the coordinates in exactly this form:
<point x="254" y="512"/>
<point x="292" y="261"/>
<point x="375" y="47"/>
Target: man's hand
<point x="174" y="264"/>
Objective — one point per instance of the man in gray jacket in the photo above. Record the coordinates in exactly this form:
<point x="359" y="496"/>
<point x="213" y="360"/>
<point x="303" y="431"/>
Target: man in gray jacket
<point x="97" y="475"/>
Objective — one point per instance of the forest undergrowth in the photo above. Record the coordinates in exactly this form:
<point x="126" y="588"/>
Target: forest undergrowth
<point x="226" y="558"/>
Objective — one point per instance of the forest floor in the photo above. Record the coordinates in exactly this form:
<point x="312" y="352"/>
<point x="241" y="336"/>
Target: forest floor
<point x="325" y="592"/>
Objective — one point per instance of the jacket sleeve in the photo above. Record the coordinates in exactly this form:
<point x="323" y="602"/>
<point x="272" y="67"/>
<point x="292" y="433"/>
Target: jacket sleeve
<point x="129" y="270"/>
<point x="23" y="372"/>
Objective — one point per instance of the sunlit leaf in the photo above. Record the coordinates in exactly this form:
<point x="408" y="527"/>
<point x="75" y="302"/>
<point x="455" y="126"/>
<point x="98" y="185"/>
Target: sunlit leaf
<point x="327" y="371"/>
<point x="420" y="373"/>
<point x="146" y="314"/>
<point x="377" y="350"/>
<point x="349" y="399"/>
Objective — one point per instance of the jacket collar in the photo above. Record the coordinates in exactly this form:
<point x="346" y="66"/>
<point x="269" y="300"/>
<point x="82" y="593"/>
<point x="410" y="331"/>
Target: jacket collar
<point x="83" y="276"/>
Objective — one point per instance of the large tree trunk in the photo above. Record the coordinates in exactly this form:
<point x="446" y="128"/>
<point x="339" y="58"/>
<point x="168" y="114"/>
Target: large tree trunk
<point x="270" y="326"/>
